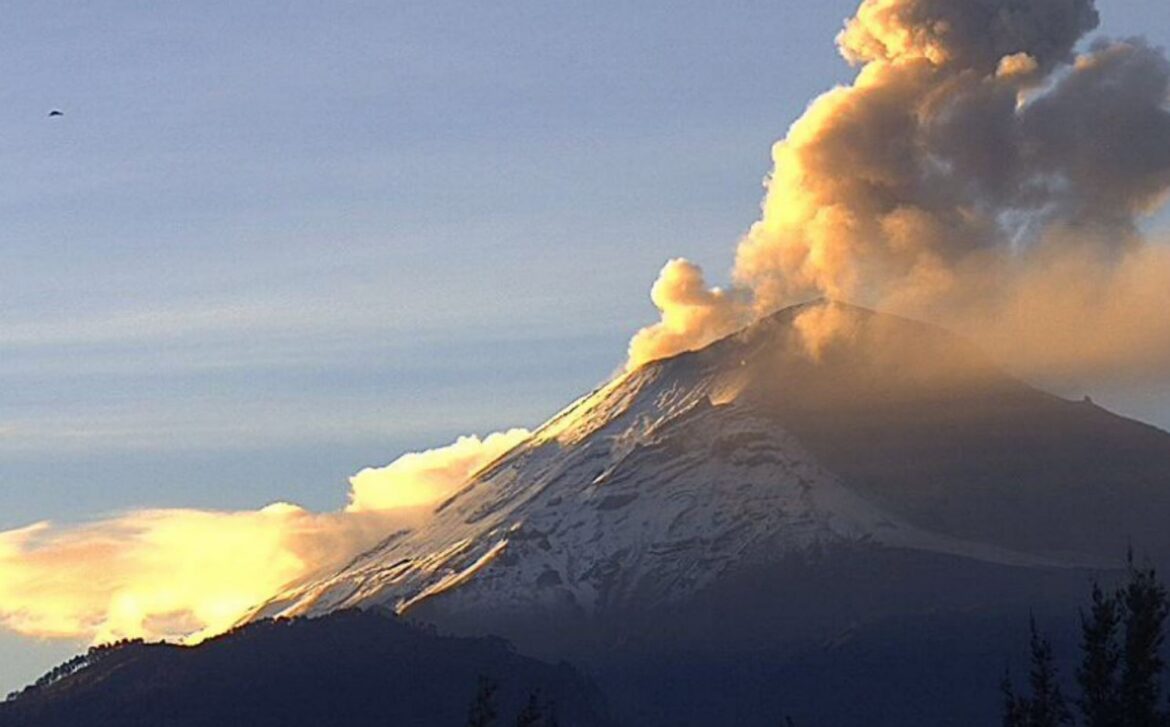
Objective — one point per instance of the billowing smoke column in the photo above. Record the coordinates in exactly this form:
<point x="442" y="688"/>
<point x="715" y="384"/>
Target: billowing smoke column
<point x="974" y="159"/>
<point x="693" y="315"/>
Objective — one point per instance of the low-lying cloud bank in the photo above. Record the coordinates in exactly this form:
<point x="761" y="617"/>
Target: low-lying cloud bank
<point x="188" y="574"/>
<point x="424" y="478"/>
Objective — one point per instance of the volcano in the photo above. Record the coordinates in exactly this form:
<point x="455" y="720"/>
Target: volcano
<point x="765" y="493"/>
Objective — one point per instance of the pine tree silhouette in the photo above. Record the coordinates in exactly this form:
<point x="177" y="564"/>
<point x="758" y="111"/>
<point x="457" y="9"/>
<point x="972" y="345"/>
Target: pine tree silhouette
<point x="1015" y="709"/>
<point x="1046" y="707"/>
<point x="483" y="707"/>
<point x="1101" y="657"/>
<point x="1144" y="610"/>
<point x="1120" y="674"/>
<point x="531" y="715"/>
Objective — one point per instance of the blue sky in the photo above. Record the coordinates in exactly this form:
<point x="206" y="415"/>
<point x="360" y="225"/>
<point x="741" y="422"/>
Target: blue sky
<point x="266" y="247"/>
<point x="333" y="233"/>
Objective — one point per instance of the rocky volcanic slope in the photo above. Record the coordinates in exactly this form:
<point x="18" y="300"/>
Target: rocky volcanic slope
<point x="676" y="476"/>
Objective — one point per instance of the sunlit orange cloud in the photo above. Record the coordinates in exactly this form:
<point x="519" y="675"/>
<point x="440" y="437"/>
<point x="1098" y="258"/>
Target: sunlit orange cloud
<point x="1076" y="319"/>
<point x="975" y="160"/>
<point x="693" y="315"/>
<point x="421" y="478"/>
<point x="188" y="574"/>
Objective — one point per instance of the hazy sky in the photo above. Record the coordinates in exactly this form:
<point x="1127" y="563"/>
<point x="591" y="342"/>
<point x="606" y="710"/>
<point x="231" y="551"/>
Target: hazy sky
<point x="268" y="245"/>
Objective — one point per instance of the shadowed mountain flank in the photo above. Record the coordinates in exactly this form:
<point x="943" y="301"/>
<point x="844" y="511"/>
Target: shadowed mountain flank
<point x="919" y="421"/>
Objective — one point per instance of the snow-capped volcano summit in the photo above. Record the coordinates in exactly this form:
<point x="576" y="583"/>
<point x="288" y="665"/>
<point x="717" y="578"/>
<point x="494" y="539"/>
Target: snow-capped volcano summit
<point x="761" y="447"/>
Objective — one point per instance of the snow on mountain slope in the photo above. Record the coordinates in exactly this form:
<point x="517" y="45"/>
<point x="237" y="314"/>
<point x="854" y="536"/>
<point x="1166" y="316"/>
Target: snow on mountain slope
<point x="641" y="493"/>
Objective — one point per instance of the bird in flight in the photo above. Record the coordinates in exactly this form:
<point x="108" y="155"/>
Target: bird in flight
<point x="56" y="112"/>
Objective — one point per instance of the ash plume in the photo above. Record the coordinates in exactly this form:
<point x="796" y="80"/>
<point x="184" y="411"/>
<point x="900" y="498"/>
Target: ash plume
<point x="976" y="160"/>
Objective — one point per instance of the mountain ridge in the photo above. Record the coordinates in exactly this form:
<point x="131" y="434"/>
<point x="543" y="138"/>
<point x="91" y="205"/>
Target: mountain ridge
<point x="654" y="484"/>
<point x="350" y="667"/>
